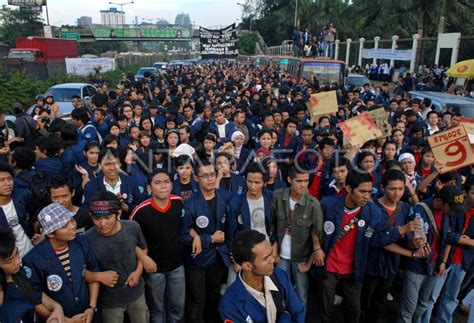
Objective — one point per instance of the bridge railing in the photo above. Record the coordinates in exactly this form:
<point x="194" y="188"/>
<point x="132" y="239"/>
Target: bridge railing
<point x="418" y="50"/>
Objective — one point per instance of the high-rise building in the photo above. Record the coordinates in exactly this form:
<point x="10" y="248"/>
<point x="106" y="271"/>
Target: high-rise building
<point x="112" y="17"/>
<point x="182" y="19"/>
<point x="84" y="21"/>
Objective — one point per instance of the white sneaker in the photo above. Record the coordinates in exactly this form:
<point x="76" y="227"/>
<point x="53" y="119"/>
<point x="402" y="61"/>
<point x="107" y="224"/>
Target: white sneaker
<point x="389" y="297"/>
<point x="337" y="300"/>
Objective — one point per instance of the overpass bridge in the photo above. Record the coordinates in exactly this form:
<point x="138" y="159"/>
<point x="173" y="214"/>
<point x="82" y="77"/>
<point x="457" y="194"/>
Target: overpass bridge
<point x="135" y="33"/>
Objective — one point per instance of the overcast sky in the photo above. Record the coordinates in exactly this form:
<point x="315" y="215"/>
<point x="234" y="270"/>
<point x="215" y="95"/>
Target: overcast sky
<point x="206" y="13"/>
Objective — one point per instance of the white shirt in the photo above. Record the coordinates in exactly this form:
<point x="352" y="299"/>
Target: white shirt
<point x="116" y="189"/>
<point x="221" y="129"/>
<point x="264" y="298"/>
<point x="257" y="215"/>
<point x="285" y="248"/>
<point x="23" y="243"/>
<point x="432" y="130"/>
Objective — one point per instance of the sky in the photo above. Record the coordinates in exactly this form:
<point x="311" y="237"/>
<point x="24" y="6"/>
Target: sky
<point x="206" y="13"/>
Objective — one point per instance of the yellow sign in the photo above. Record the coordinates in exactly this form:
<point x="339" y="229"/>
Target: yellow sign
<point x="322" y="103"/>
<point x="360" y="129"/>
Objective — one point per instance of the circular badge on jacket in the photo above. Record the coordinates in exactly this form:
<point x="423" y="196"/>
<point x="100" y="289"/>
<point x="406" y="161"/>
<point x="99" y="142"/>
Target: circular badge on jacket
<point x="328" y="227"/>
<point x="202" y="221"/>
<point x="54" y="283"/>
<point x="27" y="271"/>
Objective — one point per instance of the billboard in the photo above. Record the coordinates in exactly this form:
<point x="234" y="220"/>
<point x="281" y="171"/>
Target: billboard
<point x="219" y="43"/>
<point x="88" y="66"/>
<point x="27" y="3"/>
<point x="110" y="32"/>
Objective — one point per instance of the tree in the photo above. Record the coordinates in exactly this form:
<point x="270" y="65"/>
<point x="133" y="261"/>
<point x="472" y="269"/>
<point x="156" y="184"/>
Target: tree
<point x="18" y="23"/>
<point x="247" y="44"/>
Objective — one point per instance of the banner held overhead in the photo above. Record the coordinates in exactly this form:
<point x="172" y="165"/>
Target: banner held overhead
<point x="219" y="43"/>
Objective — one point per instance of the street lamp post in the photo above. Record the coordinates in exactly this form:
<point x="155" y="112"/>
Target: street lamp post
<point x="121" y="5"/>
<point x="296" y="13"/>
<point x="244" y="8"/>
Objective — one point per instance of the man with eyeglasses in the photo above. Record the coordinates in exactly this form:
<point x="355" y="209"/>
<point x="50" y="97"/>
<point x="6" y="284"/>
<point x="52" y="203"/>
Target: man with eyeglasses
<point x="205" y="218"/>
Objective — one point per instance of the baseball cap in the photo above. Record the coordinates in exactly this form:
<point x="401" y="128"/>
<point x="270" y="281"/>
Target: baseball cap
<point x="453" y="196"/>
<point x="54" y="217"/>
<point x="104" y="208"/>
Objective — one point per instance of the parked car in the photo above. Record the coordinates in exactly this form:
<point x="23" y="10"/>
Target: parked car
<point x="62" y="94"/>
<point x="160" y="65"/>
<point x="355" y="81"/>
<point x="140" y="75"/>
<point x="442" y="101"/>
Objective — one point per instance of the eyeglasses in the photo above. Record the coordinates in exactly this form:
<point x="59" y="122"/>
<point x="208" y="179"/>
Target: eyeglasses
<point x="208" y="176"/>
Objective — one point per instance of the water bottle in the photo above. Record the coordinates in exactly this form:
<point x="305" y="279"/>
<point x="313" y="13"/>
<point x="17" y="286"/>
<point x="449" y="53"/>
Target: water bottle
<point x="420" y="233"/>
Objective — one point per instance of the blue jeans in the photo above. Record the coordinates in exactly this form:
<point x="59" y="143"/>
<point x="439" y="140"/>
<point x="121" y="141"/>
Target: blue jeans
<point x="415" y="296"/>
<point x="165" y="293"/>
<point x="300" y="280"/>
<point x="449" y="297"/>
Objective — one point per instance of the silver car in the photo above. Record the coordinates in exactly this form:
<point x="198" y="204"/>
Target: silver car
<point x="443" y="101"/>
<point x="63" y="93"/>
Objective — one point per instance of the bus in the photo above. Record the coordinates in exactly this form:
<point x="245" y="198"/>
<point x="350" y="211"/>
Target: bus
<point x="325" y="70"/>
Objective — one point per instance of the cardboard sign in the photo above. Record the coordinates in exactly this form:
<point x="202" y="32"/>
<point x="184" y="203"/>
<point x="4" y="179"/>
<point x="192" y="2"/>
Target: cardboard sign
<point x="451" y="149"/>
<point x="380" y="118"/>
<point x="468" y="124"/>
<point x="360" y="129"/>
<point x="321" y="103"/>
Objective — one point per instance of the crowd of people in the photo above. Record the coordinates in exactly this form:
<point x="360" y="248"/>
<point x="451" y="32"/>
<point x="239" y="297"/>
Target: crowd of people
<point x="321" y="44"/>
<point x="206" y="194"/>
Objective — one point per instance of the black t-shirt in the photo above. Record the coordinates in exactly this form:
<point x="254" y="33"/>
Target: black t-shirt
<point x="212" y="205"/>
<point x="226" y="183"/>
<point x="160" y="226"/>
<point x="186" y="191"/>
<point x="83" y="220"/>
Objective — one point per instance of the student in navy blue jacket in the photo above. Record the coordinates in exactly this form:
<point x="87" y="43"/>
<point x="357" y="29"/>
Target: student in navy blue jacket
<point x="352" y="224"/>
<point x="65" y="284"/>
<point x="219" y="122"/>
<point x="274" y="180"/>
<point x="113" y="181"/>
<point x="251" y="210"/>
<point x="449" y="269"/>
<point x="184" y="185"/>
<point x="205" y="218"/>
<point x="447" y="287"/>
<point x="383" y="263"/>
<point x="47" y="156"/>
<point x="226" y="179"/>
<point x="254" y="254"/>
<point x="16" y="210"/>
<point x="16" y="293"/>
<point x="421" y="274"/>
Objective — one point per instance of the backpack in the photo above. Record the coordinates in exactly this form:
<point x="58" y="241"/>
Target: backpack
<point x="98" y="134"/>
<point x="38" y="184"/>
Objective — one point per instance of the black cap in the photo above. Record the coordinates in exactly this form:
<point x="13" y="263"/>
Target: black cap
<point x="327" y="131"/>
<point x="453" y="196"/>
